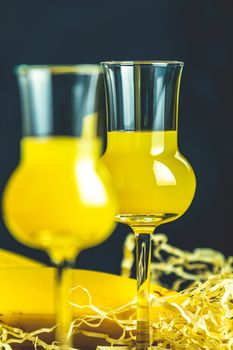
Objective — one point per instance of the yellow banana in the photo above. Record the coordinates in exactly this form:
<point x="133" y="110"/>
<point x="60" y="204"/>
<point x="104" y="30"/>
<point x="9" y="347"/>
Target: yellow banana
<point x="27" y="298"/>
<point x="8" y="259"/>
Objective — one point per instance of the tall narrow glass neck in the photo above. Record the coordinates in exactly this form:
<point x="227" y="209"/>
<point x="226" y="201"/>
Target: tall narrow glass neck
<point x="61" y="100"/>
<point x="142" y="97"/>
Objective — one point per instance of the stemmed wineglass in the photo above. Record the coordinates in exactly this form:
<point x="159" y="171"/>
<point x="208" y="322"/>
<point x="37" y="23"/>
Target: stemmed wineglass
<point x="59" y="198"/>
<point x="154" y="182"/>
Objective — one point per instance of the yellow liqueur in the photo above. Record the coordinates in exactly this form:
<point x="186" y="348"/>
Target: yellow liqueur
<point x="57" y="198"/>
<point x="154" y="182"/>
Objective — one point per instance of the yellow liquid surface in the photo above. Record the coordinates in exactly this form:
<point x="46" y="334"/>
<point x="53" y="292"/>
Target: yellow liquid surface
<point x="154" y="182"/>
<point x="59" y="198"/>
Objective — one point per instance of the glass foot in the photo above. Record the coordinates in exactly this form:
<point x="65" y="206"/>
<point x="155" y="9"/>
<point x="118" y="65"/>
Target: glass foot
<point x="125" y="348"/>
<point x="114" y="347"/>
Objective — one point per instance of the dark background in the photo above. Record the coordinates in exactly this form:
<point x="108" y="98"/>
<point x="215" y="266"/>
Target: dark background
<point x="198" y="32"/>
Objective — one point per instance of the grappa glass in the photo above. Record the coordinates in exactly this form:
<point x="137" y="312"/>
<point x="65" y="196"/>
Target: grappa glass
<point x="155" y="184"/>
<point x="59" y="198"/>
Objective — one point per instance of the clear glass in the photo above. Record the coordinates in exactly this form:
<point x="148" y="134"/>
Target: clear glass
<point x="155" y="184"/>
<point x="59" y="198"/>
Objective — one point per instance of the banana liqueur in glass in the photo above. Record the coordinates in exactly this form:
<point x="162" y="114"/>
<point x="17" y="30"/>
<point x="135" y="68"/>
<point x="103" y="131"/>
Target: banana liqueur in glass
<point x="59" y="198"/>
<point x="155" y="184"/>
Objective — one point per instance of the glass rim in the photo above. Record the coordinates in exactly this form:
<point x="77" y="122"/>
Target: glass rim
<point x="24" y="69"/>
<point x="143" y="63"/>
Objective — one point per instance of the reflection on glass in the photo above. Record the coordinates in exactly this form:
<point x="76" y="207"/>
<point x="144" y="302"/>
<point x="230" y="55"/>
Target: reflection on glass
<point x="163" y="175"/>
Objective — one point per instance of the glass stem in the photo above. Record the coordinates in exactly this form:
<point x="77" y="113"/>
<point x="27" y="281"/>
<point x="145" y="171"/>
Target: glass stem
<point x="62" y="307"/>
<point x="143" y="260"/>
